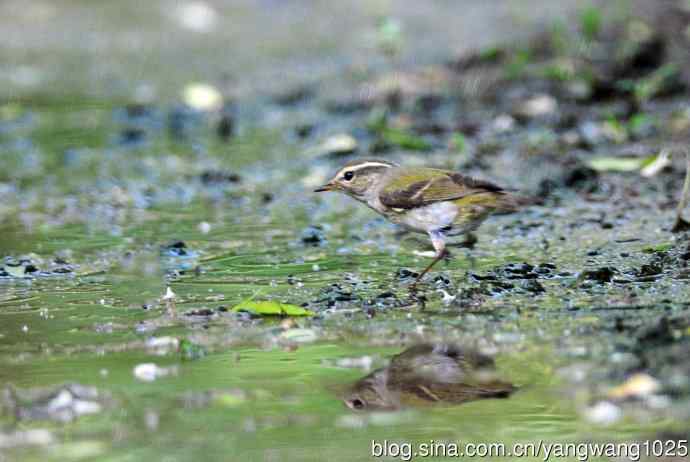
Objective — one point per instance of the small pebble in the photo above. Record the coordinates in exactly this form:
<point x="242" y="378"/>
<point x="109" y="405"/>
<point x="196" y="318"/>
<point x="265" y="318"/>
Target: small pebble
<point x="169" y="294"/>
<point x="604" y="413"/>
<point x="538" y="106"/>
<point x="204" y="227"/>
<point x="447" y="298"/>
<point x="148" y="372"/>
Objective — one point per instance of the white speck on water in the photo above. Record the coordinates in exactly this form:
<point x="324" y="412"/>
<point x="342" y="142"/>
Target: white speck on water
<point x="604" y="413"/>
<point x="503" y="123"/>
<point x="148" y="372"/>
<point x="151" y="419"/>
<point x="202" y="97"/>
<point x="169" y="294"/>
<point x="82" y="407"/>
<point x="447" y="298"/>
<point x="538" y="106"/>
<point x="315" y="267"/>
<point x="204" y="227"/>
<point x="104" y="372"/>
<point x="363" y="362"/>
<point x="197" y="16"/>
<point x="33" y="437"/>
<point x="25" y="328"/>
<point x="162" y="345"/>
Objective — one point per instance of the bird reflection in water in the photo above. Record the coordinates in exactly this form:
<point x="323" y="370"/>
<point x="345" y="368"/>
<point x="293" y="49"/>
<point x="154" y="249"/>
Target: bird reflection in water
<point x="429" y="374"/>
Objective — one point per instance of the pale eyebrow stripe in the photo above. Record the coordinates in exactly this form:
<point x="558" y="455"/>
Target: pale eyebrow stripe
<point x="363" y="166"/>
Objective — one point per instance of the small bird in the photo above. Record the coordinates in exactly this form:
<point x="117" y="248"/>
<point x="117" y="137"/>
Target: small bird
<point x="429" y="374"/>
<point x="440" y="203"/>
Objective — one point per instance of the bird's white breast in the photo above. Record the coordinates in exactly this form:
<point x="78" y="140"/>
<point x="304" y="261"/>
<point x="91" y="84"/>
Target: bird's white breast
<point x="429" y="218"/>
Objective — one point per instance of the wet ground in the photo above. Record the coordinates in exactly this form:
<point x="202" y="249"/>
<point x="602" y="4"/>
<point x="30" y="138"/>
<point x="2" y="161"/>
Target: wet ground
<point x="130" y="231"/>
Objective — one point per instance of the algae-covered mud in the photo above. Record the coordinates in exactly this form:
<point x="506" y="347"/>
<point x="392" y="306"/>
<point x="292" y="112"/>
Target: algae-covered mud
<point x="172" y="289"/>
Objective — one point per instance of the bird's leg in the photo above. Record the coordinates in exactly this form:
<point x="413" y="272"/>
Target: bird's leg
<point x="681" y="224"/>
<point x="438" y="240"/>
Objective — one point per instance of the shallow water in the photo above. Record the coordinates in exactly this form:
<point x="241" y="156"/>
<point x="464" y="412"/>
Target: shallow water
<point x="276" y="398"/>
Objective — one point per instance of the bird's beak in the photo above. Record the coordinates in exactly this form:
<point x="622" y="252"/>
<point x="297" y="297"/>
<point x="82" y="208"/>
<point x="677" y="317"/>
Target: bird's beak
<point x="326" y="187"/>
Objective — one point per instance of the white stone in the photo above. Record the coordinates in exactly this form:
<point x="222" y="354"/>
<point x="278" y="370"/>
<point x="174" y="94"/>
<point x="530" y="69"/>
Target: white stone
<point x="604" y="413"/>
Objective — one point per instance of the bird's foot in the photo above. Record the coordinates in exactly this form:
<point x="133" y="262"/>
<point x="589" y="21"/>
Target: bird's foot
<point x="415" y="297"/>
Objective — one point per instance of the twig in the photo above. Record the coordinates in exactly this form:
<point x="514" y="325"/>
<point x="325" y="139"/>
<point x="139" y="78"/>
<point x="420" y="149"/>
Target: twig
<point x="681" y="225"/>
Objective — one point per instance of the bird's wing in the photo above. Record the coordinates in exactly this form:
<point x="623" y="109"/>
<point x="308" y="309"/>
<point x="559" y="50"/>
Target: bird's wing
<point x="458" y="393"/>
<point x="416" y="187"/>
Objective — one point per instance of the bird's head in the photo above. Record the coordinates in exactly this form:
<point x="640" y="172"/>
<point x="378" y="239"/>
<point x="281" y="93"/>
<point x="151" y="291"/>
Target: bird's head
<point x="372" y="393"/>
<point x="358" y="178"/>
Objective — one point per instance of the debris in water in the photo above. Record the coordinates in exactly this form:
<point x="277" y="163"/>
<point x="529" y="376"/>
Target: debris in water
<point x="638" y="386"/>
<point x="29" y="437"/>
<point x="162" y="345"/>
<point x="604" y="413"/>
<point x="169" y="299"/>
<point x="447" y="298"/>
<point x="271" y="308"/>
<point x="335" y="145"/>
<point x="538" y="106"/>
<point x="63" y="404"/>
<point x="202" y="97"/>
<point x="204" y="227"/>
<point x="148" y="372"/>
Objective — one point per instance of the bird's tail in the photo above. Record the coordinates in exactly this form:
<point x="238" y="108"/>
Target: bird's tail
<point x="509" y="202"/>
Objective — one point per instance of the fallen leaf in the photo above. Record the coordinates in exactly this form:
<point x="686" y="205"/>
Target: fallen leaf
<point x="637" y="386"/>
<point x="271" y="308"/>
<point x="656" y="164"/>
<point x="619" y="164"/>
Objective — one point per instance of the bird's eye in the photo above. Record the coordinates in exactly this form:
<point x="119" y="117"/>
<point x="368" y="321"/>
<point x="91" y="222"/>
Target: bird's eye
<point x="356" y="403"/>
<point x="349" y="175"/>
